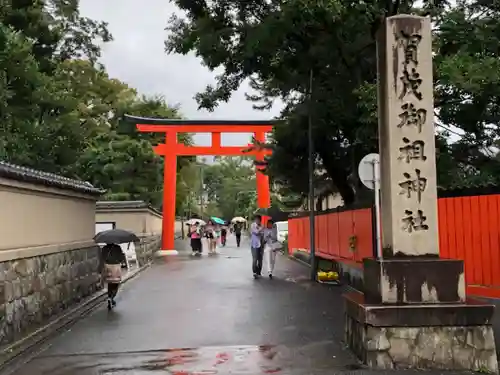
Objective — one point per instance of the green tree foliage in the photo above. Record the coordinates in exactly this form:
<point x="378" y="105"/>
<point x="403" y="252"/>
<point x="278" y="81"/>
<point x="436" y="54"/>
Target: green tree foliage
<point x="60" y="111"/>
<point x="127" y="168"/>
<point x="230" y="184"/>
<point x="57" y="30"/>
<point x="278" y="45"/>
<point x="189" y="189"/>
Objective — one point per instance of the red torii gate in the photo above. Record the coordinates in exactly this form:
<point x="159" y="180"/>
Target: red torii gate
<point x="171" y="149"/>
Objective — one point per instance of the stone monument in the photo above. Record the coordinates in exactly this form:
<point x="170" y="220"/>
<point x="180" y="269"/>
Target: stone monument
<point x="414" y="311"/>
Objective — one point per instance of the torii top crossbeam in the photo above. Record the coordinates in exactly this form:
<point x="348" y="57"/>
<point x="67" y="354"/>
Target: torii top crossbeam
<point x="216" y="127"/>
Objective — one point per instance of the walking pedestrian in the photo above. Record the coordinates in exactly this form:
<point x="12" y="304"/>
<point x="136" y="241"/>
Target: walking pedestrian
<point x="223" y="235"/>
<point x="217" y="234"/>
<point x="211" y="237"/>
<point x="237" y="233"/>
<point x="256" y="246"/>
<point x="195" y="234"/>
<point x="113" y="257"/>
<point x="271" y="247"/>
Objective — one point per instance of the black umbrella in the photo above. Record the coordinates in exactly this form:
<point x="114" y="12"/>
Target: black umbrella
<point x="116" y="236"/>
<point x="274" y="212"/>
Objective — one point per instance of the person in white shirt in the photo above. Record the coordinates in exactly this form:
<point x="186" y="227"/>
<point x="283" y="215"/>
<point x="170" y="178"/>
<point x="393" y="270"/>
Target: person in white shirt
<point x="256" y="245"/>
<point x="271" y="247"/>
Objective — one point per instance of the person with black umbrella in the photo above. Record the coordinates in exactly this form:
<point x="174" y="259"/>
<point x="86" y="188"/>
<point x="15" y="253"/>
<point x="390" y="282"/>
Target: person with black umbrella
<point x="113" y="257"/>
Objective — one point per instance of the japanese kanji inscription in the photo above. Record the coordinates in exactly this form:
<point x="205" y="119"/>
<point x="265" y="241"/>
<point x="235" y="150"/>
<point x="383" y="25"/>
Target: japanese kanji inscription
<point x="407" y="145"/>
<point x="413" y="185"/>
<point x="412" y="150"/>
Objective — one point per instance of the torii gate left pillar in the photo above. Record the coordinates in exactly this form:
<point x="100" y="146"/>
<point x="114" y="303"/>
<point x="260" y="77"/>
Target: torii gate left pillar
<point x="171" y="149"/>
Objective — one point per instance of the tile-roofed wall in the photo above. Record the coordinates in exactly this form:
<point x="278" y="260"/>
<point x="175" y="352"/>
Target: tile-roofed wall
<point x="103" y="205"/>
<point x="33" y="176"/>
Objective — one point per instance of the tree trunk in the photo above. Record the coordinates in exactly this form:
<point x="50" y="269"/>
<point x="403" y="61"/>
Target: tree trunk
<point x="339" y="176"/>
<point x="319" y="203"/>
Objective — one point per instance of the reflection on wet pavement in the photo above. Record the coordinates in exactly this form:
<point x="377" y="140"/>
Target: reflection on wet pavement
<point x="264" y="359"/>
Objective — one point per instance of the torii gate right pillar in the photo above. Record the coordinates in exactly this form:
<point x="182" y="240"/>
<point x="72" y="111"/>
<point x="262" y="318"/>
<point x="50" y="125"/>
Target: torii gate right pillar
<point x="263" y="190"/>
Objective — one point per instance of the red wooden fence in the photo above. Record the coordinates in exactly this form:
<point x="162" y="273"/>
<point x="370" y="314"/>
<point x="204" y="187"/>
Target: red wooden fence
<point x="333" y="235"/>
<point x="469" y="229"/>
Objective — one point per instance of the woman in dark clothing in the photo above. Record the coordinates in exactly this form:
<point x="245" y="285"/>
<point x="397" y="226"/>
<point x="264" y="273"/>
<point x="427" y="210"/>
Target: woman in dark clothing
<point x="195" y="235"/>
<point x="223" y="236"/>
<point x="113" y="258"/>
<point x="237" y="232"/>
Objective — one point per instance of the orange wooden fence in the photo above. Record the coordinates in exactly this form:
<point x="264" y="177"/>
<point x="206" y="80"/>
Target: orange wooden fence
<point x="469" y="229"/>
<point x="334" y="232"/>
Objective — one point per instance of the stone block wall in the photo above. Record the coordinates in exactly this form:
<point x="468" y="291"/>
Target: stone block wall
<point x="444" y="347"/>
<point x="34" y="290"/>
<point x="147" y="248"/>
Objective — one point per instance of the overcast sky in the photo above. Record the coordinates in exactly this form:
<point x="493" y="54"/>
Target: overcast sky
<point x="137" y="57"/>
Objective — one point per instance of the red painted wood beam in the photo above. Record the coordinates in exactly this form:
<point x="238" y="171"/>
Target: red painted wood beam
<point x="169" y="194"/>
<point x="263" y="192"/>
<point x="183" y="150"/>
<point x="216" y="140"/>
<point x="204" y="128"/>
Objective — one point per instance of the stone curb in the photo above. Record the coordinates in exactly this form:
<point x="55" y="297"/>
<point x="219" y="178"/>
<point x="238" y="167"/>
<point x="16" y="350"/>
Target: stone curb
<point x="298" y="257"/>
<point x="10" y="353"/>
<point x="299" y="261"/>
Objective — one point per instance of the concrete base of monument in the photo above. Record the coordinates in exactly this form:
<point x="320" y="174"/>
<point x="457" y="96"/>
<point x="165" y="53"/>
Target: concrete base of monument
<point x="161" y="253"/>
<point x="413" y="280"/>
<point x="442" y="336"/>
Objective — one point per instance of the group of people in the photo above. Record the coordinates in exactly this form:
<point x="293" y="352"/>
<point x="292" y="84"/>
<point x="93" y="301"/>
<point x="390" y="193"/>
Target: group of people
<point x="212" y="232"/>
<point x="264" y="244"/>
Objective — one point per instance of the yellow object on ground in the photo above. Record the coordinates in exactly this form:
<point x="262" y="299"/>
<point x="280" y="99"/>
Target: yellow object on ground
<point x="324" y="276"/>
<point x="333" y="275"/>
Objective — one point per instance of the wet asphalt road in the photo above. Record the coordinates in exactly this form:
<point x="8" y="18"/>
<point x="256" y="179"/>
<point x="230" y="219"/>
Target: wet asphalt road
<point x="206" y="316"/>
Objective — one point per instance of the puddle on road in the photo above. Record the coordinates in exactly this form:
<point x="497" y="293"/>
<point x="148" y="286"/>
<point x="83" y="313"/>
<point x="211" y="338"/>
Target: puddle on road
<point x="255" y="360"/>
<point x="206" y="361"/>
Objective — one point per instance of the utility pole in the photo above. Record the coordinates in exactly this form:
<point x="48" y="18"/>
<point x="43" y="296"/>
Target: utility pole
<point x="310" y="149"/>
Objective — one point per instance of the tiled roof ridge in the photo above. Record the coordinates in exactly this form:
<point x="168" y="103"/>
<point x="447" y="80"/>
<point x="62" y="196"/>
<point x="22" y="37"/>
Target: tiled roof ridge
<point x="34" y="176"/>
<point x="125" y="204"/>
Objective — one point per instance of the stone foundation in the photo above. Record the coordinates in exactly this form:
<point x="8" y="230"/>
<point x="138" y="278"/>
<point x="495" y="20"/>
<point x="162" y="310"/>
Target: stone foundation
<point x="146" y="250"/>
<point x="34" y="290"/>
<point x="414" y="280"/>
<point x="453" y="337"/>
<point x="457" y="348"/>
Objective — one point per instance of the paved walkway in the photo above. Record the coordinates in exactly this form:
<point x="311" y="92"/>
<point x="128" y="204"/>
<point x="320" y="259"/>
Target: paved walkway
<point x="207" y="316"/>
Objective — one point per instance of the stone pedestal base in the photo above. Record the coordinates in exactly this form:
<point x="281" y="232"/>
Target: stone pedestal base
<point x="161" y="253"/>
<point x="445" y="336"/>
<point x="414" y="281"/>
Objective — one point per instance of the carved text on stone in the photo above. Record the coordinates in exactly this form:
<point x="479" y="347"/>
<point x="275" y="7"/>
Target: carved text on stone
<point x="412" y="151"/>
<point x="410" y="78"/>
<point x="413" y="223"/>
<point x="410" y="44"/>
<point x="415" y="185"/>
<point x="411" y="83"/>
<point x="411" y="116"/>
